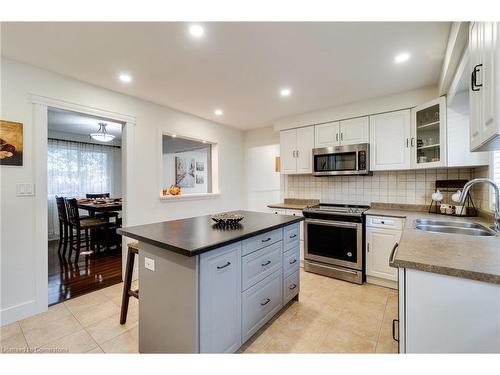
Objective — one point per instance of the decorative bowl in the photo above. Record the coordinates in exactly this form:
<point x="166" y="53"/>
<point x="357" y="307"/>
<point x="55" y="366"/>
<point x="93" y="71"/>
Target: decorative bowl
<point x="227" y="219"/>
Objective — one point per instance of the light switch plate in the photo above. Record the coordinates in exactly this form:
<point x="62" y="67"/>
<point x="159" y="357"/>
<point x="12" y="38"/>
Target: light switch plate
<point x="149" y="263"/>
<point x="25" y="190"/>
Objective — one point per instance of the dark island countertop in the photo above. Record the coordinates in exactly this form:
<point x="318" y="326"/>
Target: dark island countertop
<point x="197" y="235"/>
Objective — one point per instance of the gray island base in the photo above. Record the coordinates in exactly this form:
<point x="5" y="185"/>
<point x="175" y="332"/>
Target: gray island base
<point x="209" y="293"/>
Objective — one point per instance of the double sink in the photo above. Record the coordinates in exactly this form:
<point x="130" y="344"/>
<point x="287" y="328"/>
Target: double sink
<point x="453" y="227"/>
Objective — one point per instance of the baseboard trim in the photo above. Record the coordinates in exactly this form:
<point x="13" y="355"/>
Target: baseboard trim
<point x="18" y="312"/>
<point x="382" y="282"/>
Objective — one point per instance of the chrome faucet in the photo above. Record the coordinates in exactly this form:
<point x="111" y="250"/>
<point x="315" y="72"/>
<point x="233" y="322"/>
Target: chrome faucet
<point x="468" y="185"/>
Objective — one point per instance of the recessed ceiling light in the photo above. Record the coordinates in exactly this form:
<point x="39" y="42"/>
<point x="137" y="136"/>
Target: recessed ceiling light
<point x="204" y="141"/>
<point x="285" y="92"/>
<point x="174" y="135"/>
<point x="402" y="57"/>
<point x="219" y="112"/>
<point x="124" y="77"/>
<point x="196" y="31"/>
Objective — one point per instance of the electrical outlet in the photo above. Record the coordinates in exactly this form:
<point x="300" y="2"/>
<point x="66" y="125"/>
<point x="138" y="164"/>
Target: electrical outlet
<point x="149" y="264"/>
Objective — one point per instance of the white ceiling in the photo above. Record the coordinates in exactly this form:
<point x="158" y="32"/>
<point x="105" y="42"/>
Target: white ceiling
<point x="238" y="66"/>
<point x="77" y="123"/>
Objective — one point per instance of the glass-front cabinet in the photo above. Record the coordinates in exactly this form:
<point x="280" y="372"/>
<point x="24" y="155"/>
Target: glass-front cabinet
<point x="428" y="142"/>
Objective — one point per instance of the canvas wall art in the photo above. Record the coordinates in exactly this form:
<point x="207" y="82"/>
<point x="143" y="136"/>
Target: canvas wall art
<point x="184" y="171"/>
<point x="11" y="143"/>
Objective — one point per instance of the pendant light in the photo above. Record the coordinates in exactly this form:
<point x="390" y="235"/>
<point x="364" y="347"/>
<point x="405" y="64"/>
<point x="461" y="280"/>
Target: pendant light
<point x="102" y="135"/>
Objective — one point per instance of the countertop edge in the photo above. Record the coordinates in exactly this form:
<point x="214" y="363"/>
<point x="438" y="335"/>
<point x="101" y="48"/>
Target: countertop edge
<point x="447" y="271"/>
<point x="198" y="251"/>
<point x="287" y="206"/>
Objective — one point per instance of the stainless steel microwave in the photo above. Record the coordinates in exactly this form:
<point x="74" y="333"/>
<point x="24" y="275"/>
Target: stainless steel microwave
<point x="342" y="160"/>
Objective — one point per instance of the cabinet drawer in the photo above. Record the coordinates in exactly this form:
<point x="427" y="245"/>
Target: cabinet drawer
<point x="291" y="286"/>
<point x="260" y="264"/>
<point x="260" y="241"/>
<point x="291" y="260"/>
<point x="385" y="222"/>
<point x="260" y="303"/>
<point x="291" y="236"/>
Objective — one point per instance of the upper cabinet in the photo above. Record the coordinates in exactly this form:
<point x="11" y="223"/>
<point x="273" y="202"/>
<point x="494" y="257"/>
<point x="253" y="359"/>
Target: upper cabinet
<point x="390" y="135"/>
<point x="296" y="150"/>
<point x="327" y="135"/>
<point x="341" y="133"/>
<point x="428" y="140"/>
<point x="354" y="131"/>
<point x="484" y="86"/>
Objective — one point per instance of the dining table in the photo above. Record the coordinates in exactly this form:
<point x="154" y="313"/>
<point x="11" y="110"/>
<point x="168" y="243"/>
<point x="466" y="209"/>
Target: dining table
<point x="94" y="207"/>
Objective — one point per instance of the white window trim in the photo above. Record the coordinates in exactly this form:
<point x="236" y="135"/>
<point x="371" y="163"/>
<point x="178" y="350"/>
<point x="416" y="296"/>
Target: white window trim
<point x="214" y="167"/>
<point x="188" y="197"/>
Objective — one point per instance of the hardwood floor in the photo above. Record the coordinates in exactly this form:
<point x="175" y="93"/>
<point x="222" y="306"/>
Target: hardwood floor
<point x="68" y="279"/>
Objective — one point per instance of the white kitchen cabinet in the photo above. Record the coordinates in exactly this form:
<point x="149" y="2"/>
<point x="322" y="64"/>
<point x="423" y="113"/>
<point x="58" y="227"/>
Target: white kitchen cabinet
<point x="296" y="150"/>
<point x="220" y="300"/>
<point x="428" y="138"/>
<point x="326" y="135"/>
<point x="382" y="234"/>
<point x="354" y="131"/>
<point x="390" y="141"/>
<point x="277" y="211"/>
<point x="342" y="133"/>
<point x="379" y="245"/>
<point x="447" y="314"/>
<point x="484" y="86"/>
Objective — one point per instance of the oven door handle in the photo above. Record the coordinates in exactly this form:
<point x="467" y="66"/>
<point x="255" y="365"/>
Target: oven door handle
<point x="332" y="223"/>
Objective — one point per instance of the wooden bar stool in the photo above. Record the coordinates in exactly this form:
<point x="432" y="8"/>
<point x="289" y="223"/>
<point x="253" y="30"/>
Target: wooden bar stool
<point x="133" y="250"/>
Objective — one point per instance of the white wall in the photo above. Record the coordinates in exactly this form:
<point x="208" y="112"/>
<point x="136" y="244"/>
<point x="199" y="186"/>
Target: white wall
<point x="262" y="183"/>
<point x="371" y="106"/>
<point x="144" y="206"/>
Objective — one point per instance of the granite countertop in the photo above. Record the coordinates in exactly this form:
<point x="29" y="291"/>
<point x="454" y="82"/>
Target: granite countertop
<point x="294" y="204"/>
<point x="197" y="235"/>
<point x="470" y="257"/>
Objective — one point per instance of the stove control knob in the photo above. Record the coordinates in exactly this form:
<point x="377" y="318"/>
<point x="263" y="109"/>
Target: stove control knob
<point x="349" y="254"/>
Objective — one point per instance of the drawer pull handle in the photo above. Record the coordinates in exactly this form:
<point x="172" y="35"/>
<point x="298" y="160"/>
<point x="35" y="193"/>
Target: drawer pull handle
<point x="293" y="261"/>
<point x="293" y="236"/>
<point x="224" y="266"/>
<point x="266" y="264"/>
<point x="394" y="330"/>
<point x="265" y="303"/>
<point x="293" y="286"/>
<point x="383" y="222"/>
<point x="267" y="239"/>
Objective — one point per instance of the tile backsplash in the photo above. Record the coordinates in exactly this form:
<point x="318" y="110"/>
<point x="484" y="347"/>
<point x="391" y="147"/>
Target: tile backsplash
<point x="406" y="187"/>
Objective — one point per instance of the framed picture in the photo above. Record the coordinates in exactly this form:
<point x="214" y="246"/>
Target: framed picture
<point x="184" y="171"/>
<point x="11" y="143"/>
<point x="200" y="166"/>
<point x="200" y="180"/>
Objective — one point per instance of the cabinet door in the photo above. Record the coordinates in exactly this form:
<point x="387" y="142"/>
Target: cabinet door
<point x="326" y="135"/>
<point x="220" y="300"/>
<point x="475" y="42"/>
<point x="288" y="149"/>
<point x="354" y="131"/>
<point x="390" y="140"/>
<point x="488" y="127"/>
<point x="379" y="245"/>
<point x="305" y="144"/>
<point x="428" y="142"/>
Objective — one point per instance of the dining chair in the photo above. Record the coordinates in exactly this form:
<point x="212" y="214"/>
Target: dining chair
<point x="79" y="234"/>
<point x="63" y="225"/>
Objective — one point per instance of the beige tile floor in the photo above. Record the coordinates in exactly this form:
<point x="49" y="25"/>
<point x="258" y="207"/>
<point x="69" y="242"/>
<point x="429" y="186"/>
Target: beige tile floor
<point x="331" y="316"/>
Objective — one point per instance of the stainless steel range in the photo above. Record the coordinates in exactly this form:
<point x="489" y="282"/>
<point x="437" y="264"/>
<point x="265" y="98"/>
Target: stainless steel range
<point x="334" y="241"/>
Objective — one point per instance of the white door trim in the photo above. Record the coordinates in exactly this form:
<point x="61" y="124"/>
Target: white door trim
<point x="40" y="114"/>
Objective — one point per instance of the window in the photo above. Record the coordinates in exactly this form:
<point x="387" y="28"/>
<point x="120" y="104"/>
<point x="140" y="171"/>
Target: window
<point x="186" y="166"/>
<point x="75" y="169"/>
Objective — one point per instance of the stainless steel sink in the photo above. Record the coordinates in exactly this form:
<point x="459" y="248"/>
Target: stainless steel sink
<point x="453" y="227"/>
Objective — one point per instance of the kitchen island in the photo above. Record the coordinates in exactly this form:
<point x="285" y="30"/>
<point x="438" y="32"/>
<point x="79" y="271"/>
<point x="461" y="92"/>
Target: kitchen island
<point x="205" y="289"/>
